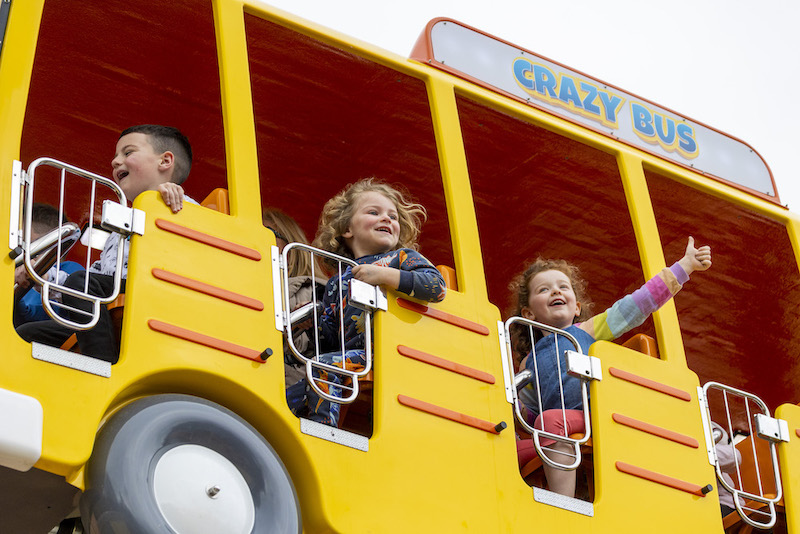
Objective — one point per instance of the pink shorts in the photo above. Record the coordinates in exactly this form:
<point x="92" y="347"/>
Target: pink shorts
<point x="554" y="423"/>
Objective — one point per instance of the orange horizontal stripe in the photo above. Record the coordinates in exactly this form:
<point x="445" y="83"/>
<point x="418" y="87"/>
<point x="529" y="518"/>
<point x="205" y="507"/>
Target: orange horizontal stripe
<point x="207" y="239"/>
<point x="208" y="289"/>
<point x="444" y="413"/>
<point x="202" y="339"/>
<point x="655" y="430"/>
<point x="445" y="364"/>
<point x="658" y="478"/>
<point x="650" y="384"/>
<point x="449" y="318"/>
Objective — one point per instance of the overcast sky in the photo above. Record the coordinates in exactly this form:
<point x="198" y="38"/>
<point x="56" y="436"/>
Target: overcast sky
<point x="730" y="64"/>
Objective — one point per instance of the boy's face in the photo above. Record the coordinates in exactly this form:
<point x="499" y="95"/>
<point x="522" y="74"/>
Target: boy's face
<point x="374" y="227"/>
<point x="136" y="166"/>
<point x="551" y="299"/>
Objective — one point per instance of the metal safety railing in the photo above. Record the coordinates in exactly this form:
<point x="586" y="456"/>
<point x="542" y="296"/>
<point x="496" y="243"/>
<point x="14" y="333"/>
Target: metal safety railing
<point x="359" y="294"/>
<point x="116" y="217"/>
<point x="568" y="357"/>
<point x="736" y="409"/>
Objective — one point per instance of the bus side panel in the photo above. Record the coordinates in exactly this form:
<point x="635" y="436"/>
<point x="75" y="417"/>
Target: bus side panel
<point x="636" y="470"/>
<point x="789" y="458"/>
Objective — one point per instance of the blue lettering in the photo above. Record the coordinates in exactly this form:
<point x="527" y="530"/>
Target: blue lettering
<point x="686" y="136"/>
<point x="569" y="93"/>
<point x="668" y="137"/>
<point x="591" y="96"/>
<point x="522" y="72"/>
<point x="610" y="103"/>
<point x="545" y="80"/>
<point x="642" y="120"/>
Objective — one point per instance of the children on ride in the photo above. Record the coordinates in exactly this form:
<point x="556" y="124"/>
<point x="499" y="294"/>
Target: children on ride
<point x="374" y="224"/>
<point x="551" y="292"/>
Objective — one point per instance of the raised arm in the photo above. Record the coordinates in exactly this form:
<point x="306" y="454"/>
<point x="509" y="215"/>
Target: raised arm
<point x="632" y="310"/>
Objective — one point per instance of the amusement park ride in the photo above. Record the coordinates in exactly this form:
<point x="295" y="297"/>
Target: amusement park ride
<point x="515" y="156"/>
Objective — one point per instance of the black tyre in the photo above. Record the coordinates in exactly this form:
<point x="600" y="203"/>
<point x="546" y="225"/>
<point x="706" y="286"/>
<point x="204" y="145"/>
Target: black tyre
<point x="184" y="465"/>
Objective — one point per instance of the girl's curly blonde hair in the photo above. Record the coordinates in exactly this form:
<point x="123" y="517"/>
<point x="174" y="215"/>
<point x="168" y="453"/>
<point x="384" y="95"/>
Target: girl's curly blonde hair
<point x="519" y="287"/>
<point x="338" y="211"/>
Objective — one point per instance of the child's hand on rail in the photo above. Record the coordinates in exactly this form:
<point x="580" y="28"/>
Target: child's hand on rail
<point x="377" y="275"/>
<point x="21" y="277"/>
<point x="173" y="195"/>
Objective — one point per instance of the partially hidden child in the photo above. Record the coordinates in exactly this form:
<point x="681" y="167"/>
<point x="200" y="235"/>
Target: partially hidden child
<point x="302" y="287"/>
<point x="552" y="292"/>
<point x="28" y="305"/>
<point x="377" y="226"/>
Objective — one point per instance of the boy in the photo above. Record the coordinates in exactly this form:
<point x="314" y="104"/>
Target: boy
<point x="148" y="157"/>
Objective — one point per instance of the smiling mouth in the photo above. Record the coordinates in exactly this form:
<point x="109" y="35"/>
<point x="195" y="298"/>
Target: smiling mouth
<point x="558" y="302"/>
<point x="122" y="175"/>
<point x="384" y="230"/>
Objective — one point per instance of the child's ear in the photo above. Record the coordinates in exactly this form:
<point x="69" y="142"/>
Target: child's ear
<point x="527" y="313"/>
<point x="577" y="309"/>
<point x="167" y="161"/>
<point x="347" y="233"/>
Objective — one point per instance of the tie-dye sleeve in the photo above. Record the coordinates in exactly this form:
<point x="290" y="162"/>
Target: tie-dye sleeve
<point x="419" y="278"/>
<point x="632" y="310"/>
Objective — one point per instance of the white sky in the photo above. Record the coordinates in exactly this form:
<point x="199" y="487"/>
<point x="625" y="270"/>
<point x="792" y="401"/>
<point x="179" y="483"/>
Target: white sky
<point x="730" y="64"/>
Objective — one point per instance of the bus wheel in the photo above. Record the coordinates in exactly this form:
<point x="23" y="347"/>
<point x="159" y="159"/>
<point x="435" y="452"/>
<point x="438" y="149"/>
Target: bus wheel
<point x="175" y="463"/>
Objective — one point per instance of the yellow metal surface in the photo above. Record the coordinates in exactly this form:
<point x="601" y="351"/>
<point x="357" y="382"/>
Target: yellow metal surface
<point x="19" y="45"/>
<point x="789" y="458"/>
<point x="644" y="224"/>
<point x="237" y="111"/>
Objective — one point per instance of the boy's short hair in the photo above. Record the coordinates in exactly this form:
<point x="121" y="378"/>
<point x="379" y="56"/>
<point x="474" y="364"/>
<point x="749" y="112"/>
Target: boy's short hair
<point x="44" y="218"/>
<point x="167" y="138"/>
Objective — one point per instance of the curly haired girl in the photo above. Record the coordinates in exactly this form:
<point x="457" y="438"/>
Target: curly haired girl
<point x="374" y="224"/>
<point x="553" y="293"/>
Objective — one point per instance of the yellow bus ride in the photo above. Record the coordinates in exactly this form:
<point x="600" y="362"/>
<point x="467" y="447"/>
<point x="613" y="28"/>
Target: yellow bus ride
<point x="514" y="156"/>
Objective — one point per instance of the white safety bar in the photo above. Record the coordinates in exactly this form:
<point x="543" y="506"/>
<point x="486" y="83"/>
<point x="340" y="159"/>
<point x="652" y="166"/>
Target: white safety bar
<point x="578" y="364"/>
<point x="364" y="296"/>
<point x="116" y="217"/>
<point x="760" y="426"/>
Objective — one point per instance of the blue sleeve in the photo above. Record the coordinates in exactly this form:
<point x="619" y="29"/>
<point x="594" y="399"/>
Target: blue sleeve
<point x="70" y="267"/>
<point x="419" y="278"/>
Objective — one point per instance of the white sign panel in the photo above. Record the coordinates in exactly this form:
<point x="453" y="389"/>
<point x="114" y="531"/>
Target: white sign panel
<point x="598" y="106"/>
